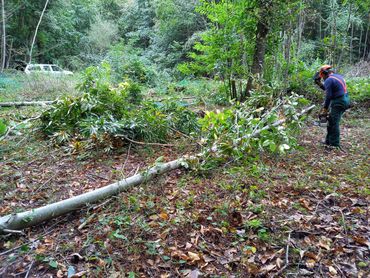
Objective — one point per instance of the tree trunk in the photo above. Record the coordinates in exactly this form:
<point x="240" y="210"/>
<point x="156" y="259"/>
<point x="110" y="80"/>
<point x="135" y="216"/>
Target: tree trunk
<point x="8" y="58"/>
<point x="18" y="221"/>
<point x="333" y="33"/>
<point x="260" y="47"/>
<point x="3" y="54"/>
<point x="233" y="89"/>
<point x="37" y="28"/>
<point x="347" y="29"/>
<point x="287" y="48"/>
<point x="359" y="44"/>
<point x="366" y="38"/>
<point x="320" y="25"/>
<point x="351" y="45"/>
<point x="300" y="31"/>
<point x="35" y="216"/>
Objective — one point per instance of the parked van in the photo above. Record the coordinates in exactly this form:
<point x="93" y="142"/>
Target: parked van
<point x="46" y="68"/>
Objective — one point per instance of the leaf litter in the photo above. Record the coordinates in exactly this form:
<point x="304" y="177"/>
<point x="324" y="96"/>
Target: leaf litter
<point x="306" y="214"/>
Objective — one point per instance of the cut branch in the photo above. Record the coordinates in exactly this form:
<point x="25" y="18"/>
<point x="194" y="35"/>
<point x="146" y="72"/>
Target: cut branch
<point x="144" y="143"/>
<point x="19" y="221"/>
<point x="26" y="103"/>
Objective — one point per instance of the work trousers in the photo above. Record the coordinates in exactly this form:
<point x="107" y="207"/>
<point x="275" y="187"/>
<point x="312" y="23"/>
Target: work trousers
<point x="337" y="108"/>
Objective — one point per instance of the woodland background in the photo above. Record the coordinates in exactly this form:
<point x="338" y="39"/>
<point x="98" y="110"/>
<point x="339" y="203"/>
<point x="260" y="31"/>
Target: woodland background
<point x="217" y="87"/>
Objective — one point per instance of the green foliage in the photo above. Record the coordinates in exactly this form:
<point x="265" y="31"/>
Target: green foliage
<point x="300" y="80"/>
<point x="180" y="116"/>
<point x="254" y="224"/>
<point x="128" y="63"/>
<point x="222" y="50"/>
<point x="3" y="127"/>
<point x="176" y="23"/>
<point x="229" y="134"/>
<point x="359" y="88"/>
<point x="105" y="115"/>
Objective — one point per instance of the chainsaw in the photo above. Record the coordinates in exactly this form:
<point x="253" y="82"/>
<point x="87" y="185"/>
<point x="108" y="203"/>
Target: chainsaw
<point x="323" y="120"/>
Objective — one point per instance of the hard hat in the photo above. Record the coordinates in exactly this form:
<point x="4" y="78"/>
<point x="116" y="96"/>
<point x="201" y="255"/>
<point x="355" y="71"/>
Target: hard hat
<point x="324" y="70"/>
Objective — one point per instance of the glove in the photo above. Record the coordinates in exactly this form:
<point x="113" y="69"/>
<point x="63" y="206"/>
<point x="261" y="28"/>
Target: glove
<point x="324" y="112"/>
<point x="317" y="80"/>
<point x="317" y="76"/>
<point x="323" y="115"/>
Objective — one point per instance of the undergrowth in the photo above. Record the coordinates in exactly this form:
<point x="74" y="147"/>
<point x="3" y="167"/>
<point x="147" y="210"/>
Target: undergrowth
<point x="247" y="128"/>
<point x="106" y="116"/>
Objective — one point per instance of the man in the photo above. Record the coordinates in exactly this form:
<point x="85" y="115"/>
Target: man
<point x="336" y="98"/>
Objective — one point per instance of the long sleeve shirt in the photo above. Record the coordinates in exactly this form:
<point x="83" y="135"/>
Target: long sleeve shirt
<point x="335" y="87"/>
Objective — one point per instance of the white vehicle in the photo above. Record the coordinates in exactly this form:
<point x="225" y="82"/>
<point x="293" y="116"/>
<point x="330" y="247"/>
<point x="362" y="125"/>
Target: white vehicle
<point x="46" y="69"/>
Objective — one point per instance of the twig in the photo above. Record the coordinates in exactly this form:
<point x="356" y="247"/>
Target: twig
<point x="287" y="250"/>
<point x="137" y="170"/>
<point x="13" y="232"/>
<point x="6" y="134"/>
<point x="286" y="257"/>
<point x="102" y="204"/>
<point x="127" y="157"/>
<point x="45" y="183"/>
<point x="88" y="220"/>
<point x="340" y="270"/>
<point x="98" y="176"/>
<point x="28" y="271"/>
<point x="344" y="225"/>
<point x="32" y="241"/>
<point x="14" y="127"/>
<point x="145" y="143"/>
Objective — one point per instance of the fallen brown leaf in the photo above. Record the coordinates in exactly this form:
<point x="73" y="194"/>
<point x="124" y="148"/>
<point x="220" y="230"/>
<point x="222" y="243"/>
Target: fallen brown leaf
<point x="332" y="270"/>
<point x="325" y="243"/>
<point x="361" y="241"/>
<point x="310" y="263"/>
<point x="193" y="256"/>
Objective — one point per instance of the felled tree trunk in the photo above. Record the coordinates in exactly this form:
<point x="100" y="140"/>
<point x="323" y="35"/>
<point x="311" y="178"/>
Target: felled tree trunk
<point x="18" y="221"/>
<point x="26" y="103"/>
<point x="32" y="217"/>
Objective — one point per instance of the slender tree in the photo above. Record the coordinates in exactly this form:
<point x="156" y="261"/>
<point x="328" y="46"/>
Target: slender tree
<point x="366" y="37"/>
<point x="3" y="54"/>
<point x="37" y="28"/>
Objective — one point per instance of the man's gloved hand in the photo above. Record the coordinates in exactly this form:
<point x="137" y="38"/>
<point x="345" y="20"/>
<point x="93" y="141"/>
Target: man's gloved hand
<point x="323" y="112"/>
<point x="317" y="76"/>
<point x="317" y="80"/>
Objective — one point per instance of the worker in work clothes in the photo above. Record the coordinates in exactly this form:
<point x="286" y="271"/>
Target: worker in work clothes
<point x="336" y="98"/>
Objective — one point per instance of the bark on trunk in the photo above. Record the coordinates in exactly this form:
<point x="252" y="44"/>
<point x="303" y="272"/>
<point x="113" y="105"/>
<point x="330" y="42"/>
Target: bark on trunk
<point x="366" y="37"/>
<point x="3" y="54"/>
<point x="36" y="216"/>
<point x="259" y="51"/>
<point x="26" y="103"/>
<point x="348" y="27"/>
<point x="9" y="57"/>
<point x="333" y="34"/>
<point x="33" y="217"/>
<point x="351" y="45"/>
<point x="359" y="44"/>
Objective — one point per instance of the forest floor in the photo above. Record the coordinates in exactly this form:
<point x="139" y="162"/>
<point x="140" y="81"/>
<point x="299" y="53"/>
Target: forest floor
<point x="303" y="214"/>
